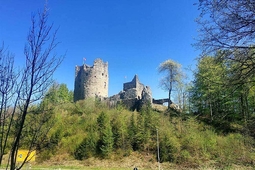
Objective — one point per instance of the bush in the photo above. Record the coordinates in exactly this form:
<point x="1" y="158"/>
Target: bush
<point x="103" y="132"/>
<point x="234" y="148"/>
<point x="169" y="149"/>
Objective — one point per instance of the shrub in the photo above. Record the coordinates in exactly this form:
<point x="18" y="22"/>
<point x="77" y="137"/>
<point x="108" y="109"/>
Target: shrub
<point x="85" y="149"/>
<point x="169" y="149"/>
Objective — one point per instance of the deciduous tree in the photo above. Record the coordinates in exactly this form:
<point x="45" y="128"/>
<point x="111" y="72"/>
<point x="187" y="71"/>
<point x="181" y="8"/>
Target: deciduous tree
<point x="172" y="77"/>
<point x="208" y="86"/>
<point x="33" y="83"/>
<point x="8" y="85"/>
<point x="228" y="26"/>
<point x="222" y="91"/>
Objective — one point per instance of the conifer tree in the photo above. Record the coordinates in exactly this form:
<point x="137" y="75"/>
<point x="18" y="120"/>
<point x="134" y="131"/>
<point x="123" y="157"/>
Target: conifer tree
<point x="132" y="130"/>
<point x="106" y="140"/>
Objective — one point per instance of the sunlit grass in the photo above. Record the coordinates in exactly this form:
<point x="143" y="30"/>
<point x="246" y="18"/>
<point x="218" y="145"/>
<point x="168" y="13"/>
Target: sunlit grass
<point x="83" y="168"/>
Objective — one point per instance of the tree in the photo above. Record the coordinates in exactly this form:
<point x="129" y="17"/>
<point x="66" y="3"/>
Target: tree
<point x="119" y="130"/>
<point x="64" y="94"/>
<point x="32" y="84"/>
<point x="106" y="140"/>
<point x="145" y="135"/>
<point x="182" y="96"/>
<point x="222" y="91"/>
<point x="208" y="86"/>
<point x="172" y="77"/>
<point x="87" y="148"/>
<point x="228" y="26"/>
<point x="58" y="94"/>
<point x="132" y="131"/>
<point x="8" y="79"/>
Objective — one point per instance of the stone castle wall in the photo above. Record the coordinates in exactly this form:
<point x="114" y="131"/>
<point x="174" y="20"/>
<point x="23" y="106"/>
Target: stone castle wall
<point x="91" y="81"/>
<point x="134" y="87"/>
<point x="133" y="96"/>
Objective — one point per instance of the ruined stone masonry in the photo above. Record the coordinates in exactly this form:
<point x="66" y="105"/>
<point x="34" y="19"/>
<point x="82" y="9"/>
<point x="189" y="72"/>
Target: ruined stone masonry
<point x="133" y="96"/>
<point x="91" y="81"/>
<point x="135" y="89"/>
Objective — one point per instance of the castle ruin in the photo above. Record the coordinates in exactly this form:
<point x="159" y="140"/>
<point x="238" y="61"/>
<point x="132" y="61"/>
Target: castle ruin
<point x="91" y="81"/>
<point x="133" y="88"/>
<point x="133" y="96"/>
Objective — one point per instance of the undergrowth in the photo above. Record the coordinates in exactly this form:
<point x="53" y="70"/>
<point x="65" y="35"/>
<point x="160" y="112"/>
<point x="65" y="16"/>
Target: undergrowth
<point x="186" y="142"/>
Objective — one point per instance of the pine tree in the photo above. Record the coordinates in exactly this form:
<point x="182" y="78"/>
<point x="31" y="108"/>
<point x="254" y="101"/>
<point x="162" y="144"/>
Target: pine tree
<point x="106" y="140"/>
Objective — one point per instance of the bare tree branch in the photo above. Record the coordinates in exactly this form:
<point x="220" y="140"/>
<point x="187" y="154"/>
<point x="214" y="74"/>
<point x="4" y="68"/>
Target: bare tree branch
<point x="36" y="78"/>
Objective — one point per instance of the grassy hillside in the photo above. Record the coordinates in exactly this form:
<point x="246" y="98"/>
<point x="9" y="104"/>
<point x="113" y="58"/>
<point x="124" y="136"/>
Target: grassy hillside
<point x="89" y="133"/>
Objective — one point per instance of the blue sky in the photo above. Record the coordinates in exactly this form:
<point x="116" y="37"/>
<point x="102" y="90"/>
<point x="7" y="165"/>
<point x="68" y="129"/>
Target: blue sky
<point x="133" y="36"/>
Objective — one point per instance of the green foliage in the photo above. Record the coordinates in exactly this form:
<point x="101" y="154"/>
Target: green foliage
<point x="54" y="140"/>
<point x="88" y="106"/>
<point x="207" y="89"/>
<point x="146" y="129"/>
<point x="234" y="149"/>
<point x="120" y="132"/>
<point x="132" y="131"/>
<point x="38" y="123"/>
<point x="50" y="147"/>
<point x="105" y="142"/>
<point x="169" y="148"/>
<point x="114" y="133"/>
<point x="57" y="94"/>
<point x="222" y="92"/>
<point x="87" y="148"/>
<point x="172" y="78"/>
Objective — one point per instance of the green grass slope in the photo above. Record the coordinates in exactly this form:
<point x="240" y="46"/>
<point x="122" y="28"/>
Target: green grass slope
<point x="92" y="135"/>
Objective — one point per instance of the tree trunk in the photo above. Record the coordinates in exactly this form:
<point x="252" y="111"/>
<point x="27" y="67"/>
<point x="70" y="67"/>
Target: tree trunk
<point x="169" y="98"/>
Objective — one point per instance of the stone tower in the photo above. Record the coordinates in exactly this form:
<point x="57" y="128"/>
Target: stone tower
<point x="91" y="81"/>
